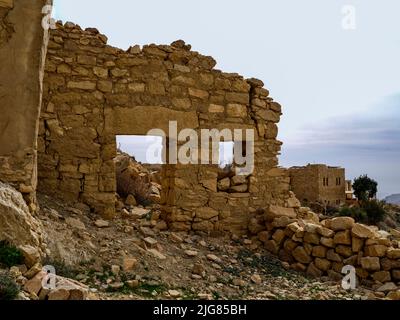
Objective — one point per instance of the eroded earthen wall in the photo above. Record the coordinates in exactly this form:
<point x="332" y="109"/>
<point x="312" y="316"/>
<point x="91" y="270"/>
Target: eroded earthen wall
<point x="93" y="92"/>
<point x="22" y="52"/>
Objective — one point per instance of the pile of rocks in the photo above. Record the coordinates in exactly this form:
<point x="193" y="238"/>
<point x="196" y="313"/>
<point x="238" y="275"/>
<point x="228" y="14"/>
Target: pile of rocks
<point x="32" y="282"/>
<point x="324" y="248"/>
<point x="135" y="183"/>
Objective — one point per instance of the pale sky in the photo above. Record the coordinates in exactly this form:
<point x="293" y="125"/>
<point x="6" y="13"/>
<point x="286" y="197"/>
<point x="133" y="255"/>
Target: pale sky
<point x="340" y="89"/>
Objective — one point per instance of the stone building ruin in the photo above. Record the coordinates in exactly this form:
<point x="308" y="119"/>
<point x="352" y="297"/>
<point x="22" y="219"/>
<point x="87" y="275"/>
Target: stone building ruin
<point x="66" y="95"/>
<point x="93" y="92"/>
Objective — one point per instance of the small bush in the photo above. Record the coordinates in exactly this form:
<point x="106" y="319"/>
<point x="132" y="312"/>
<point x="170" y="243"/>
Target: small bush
<point x="8" y="288"/>
<point x="10" y="255"/>
<point x="356" y="213"/>
<point x="370" y="211"/>
<point x="375" y="210"/>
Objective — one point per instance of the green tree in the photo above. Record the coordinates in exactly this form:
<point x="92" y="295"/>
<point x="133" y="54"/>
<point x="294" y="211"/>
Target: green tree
<point x="365" y="188"/>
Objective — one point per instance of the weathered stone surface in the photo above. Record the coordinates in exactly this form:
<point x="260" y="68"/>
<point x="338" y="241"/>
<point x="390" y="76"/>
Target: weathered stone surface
<point x="206" y="213"/>
<point x="75" y="223"/>
<point x="333" y="256"/>
<point x="271" y="246"/>
<point x="17" y="225"/>
<point x="128" y="264"/>
<point x="301" y="255"/>
<point x="325" y="232"/>
<point x="319" y="251"/>
<point x="362" y="231"/>
<point x="311" y="238"/>
<point x="344" y="251"/>
<point x="370" y="263"/>
<point x="31" y="255"/>
<point x="34" y="285"/>
<point x="276" y="211"/>
<point x="322" y="264"/>
<point x="357" y="244"/>
<point x="393" y="253"/>
<point x="381" y="276"/>
<point x="375" y="250"/>
<point x="342" y="237"/>
<point x="389" y="286"/>
<point x="313" y="271"/>
<point x="278" y="236"/>
<point x="327" y="242"/>
<point x="341" y="223"/>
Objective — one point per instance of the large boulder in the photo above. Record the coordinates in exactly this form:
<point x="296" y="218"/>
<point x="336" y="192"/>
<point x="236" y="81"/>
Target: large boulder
<point x="17" y="225"/>
<point x="277" y="211"/>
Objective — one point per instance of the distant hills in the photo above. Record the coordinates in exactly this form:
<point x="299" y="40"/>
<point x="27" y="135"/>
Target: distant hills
<point x="393" y="199"/>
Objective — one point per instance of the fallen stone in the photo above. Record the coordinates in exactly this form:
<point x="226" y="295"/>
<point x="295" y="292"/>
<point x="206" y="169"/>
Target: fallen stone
<point x="394" y="295"/>
<point x="75" y="223"/>
<point x="239" y="282"/>
<point x="174" y="293"/>
<point x="198" y="269"/>
<point x="59" y="294"/>
<point x="150" y="242"/>
<point x="34" y="285"/>
<point x="133" y="284"/>
<point x="157" y="254"/>
<point x="175" y="238"/>
<point x="214" y="258"/>
<point x="139" y="213"/>
<point x="191" y="253"/>
<point x="130" y="200"/>
<point x="115" y="269"/>
<point x="102" y="224"/>
<point x="389" y="286"/>
<point x="255" y="278"/>
<point x="31" y="255"/>
<point x="128" y="264"/>
<point x="17" y="225"/>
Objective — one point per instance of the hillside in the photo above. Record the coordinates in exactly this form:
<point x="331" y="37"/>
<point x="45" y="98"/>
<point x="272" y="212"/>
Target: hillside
<point x="393" y="199"/>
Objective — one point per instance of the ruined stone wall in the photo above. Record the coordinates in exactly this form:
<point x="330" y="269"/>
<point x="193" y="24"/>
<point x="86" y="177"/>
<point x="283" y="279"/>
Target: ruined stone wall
<point x="323" y="248"/>
<point x="22" y="52"/>
<point x="94" y="92"/>
<point x="319" y="183"/>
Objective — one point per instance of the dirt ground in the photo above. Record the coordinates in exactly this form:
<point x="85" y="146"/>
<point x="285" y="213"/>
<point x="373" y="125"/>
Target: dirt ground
<point x="129" y="258"/>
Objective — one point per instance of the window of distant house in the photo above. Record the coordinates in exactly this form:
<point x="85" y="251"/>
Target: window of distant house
<point x="338" y="181"/>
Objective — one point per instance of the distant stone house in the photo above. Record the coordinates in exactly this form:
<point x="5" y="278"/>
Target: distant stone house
<point x="319" y="183"/>
<point x="349" y="190"/>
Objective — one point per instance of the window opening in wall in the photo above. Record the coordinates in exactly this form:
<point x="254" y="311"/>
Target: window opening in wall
<point x="226" y="154"/>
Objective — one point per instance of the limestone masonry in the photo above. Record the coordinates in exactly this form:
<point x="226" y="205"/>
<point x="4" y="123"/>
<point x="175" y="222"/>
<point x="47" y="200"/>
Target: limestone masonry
<point x="318" y="183"/>
<point x="60" y="115"/>
<point x="93" y="92"/>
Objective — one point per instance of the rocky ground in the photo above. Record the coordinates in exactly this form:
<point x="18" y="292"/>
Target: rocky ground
<point x="130" y="258"/>
<point x="135" y="257"/>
